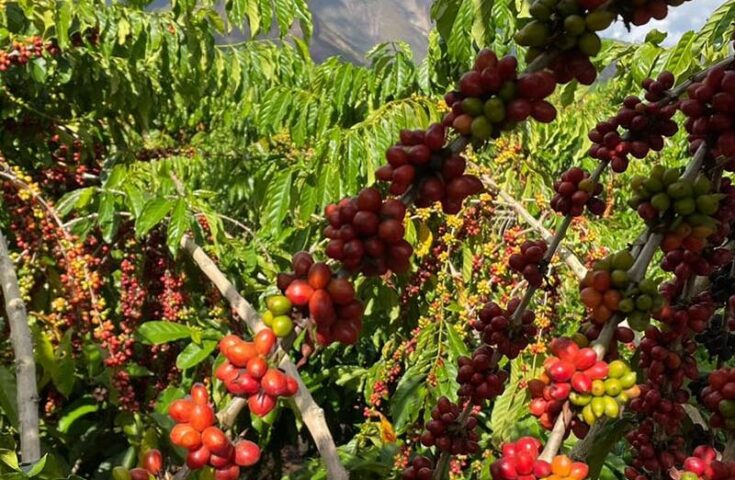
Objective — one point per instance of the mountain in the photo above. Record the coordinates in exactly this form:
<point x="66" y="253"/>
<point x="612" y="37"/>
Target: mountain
<point x="349" y="28"/>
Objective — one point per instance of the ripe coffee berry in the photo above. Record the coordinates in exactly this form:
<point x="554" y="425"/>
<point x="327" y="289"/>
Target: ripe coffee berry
<point x="478" y="378"/>
<point x="420" y="161"/>
<point x="529" y="262"/>
<point x="420" y="468"/>
<point x="719" y="397"/>
<point x="492" y="97"/>
<point x="667" y="357"/>
<point x="576" y="190"/>
<point x="644" y="125"/>
<point x="601" y="289"/>
<point x="709" y="110"/>
<point x="366" y="234"/>
<point x="246" y="373"/>
<point x="520" y="460"/>
<point x="329" y="300"/>
<point x="498" y="330"/>
<point x="448" y="431"/>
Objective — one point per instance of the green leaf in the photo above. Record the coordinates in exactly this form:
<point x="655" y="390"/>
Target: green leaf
<point x="713" y="32"/>
<point x="153" y="212"/>
<point x="135" y="199"/>
<point x="64" y="358"/>
<point x="36" y="468"/>
<point x="106" y="216"/>
<point x="38" y="70"/>
<point x="178" y="225"/>
<point x="444" y="12"/>
<point x="656" y="37"/>
<point x="75" y="199"/>
<point x="158" y="332"/>
<point x="116" y="176"/>
<point x="9" y="458"/>
<point x="194" y="354"/>
<point x="509" y="407"/>
<point x="410" y="393"/>
<point x="467" y="257"/>
<point x="457" y="345"/>
<point x="680" y="58"/>
<point x="8" y="392"/>
<point x="79" y="410"/>
<point x="279" y="196"/>
<point x="567" y="94"/>
<point x="135" y="370"/>
<point x="63" y="22"/>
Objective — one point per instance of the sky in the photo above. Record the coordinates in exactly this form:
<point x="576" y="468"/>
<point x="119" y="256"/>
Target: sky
<point x="688" y="16"/>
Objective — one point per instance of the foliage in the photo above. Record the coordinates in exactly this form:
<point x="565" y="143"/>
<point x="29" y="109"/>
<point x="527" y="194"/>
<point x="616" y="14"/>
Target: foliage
<point x="142" y="128"/>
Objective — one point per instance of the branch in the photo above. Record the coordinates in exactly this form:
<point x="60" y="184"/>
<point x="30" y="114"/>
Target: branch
<point x="25" y="367"/>
<point x="311" y="413"/>
<point x="636" y="274"/>
<point x="567" y="255"/>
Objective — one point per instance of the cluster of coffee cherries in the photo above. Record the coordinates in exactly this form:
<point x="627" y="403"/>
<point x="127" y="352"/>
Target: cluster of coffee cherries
<point x="668" y="357"/>
<point x="528" y="262"/>
<point x="641" y="301"/>
<point x="641" y="12"/>
<point x="492" y="97"/>
<point x="717" y="340"/>
<point x="694" y="315"/>
<point x="719" y="397"/>
<point x="684" y="262"/>
<point x="448" y="431"/>
<point x="606" y="396"/>
<point x="576" y="190"/>
<point x="667" y="411"/>
<point x="421" y="161"/>
<point x="150" y="465"/>
<point x="568" y="27"/>
<point x="653" y="454"/>
<point x="666" y="196"/>
<point x="24" y="51"/>
<point x="245" y="372"/>
<point x="195" y="431"/>
<point x="575" y="373"/>
<point x="645" y="126"/>
<point x="366" y="234"/>
<point x="421" y="468"/>
<point x="601" y="289"/>
<point x="278" y="315"/>
<point x="478" y="378"/>
<point x="703" y="465"/>
<point x="497" y="328"/>
<point x="328" y="299"/>
<point x="709" y="109"/>
<point x="520" y="460"/>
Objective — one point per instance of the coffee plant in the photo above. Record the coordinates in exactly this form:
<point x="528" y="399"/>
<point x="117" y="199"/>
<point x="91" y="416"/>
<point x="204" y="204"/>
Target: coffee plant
<point x="511" y="260"/>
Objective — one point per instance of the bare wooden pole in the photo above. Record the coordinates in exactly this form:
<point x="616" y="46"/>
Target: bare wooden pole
<point x="25" y="366"/>
<point x="312" y="414"/>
